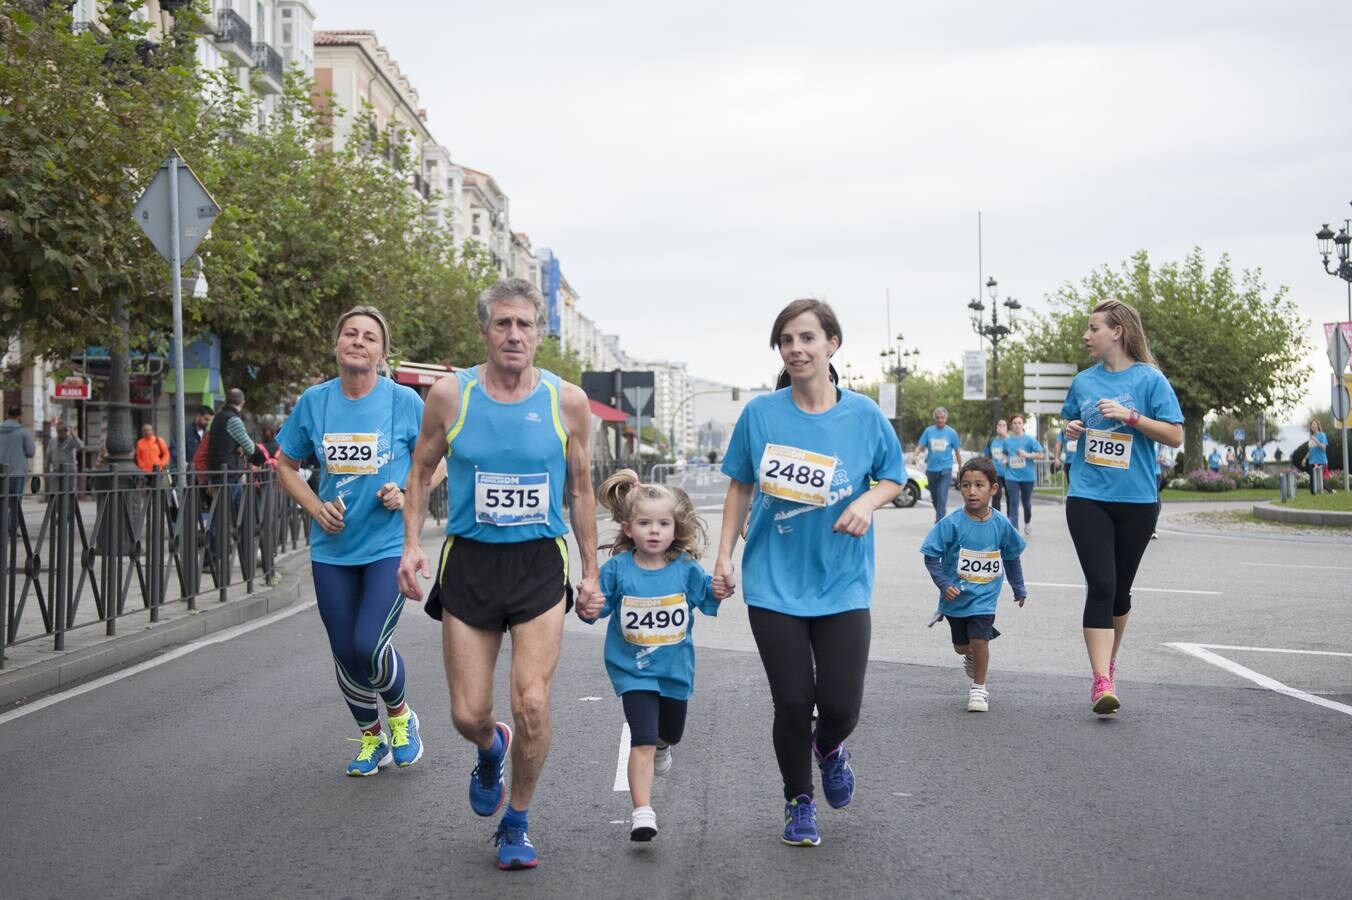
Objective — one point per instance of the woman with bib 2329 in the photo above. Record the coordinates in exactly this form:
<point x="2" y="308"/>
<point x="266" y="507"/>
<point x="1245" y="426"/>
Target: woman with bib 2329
<point x="362" y="428"/>
<point x="1117" y="410"/>
<point x="809" y="453"/>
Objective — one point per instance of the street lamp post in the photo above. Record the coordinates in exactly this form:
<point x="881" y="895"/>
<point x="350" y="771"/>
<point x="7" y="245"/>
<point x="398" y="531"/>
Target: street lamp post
<point x="995" y="332"/>
<point x="896" y="365"/>
<point x="1342" y="241"/>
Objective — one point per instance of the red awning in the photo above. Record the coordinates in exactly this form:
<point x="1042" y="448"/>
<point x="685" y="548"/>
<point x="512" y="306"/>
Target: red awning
<point x="417" y="375"/>
<point x="606" y="413"/>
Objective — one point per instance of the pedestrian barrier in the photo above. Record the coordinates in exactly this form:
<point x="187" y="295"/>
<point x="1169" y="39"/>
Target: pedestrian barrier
<point x="132" y="543"/>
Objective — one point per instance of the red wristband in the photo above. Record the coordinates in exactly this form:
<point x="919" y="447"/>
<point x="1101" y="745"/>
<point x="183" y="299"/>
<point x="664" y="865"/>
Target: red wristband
<point x="1133" y="418"/>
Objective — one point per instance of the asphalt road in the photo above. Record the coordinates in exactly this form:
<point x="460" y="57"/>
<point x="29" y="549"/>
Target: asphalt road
<point x="219" y="772"/>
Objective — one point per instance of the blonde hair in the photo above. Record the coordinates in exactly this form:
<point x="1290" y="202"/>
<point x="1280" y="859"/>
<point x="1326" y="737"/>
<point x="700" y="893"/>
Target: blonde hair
<point x="1315" y="425"/>
<point x="371" y="313"/>
<point x="621" y="492"/>
<point x="1123" y="315"/>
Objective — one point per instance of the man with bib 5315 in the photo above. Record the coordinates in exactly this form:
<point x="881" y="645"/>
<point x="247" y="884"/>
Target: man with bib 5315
<point x="514" y="437"/>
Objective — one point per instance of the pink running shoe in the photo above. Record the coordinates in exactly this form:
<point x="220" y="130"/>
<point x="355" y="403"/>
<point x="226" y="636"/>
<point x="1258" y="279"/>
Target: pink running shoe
<point x="1104" y="696"/>
<point x="1112" y="672"/>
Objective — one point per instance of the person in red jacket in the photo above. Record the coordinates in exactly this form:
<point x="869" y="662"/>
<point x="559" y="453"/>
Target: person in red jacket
<point x="151" y="451"/>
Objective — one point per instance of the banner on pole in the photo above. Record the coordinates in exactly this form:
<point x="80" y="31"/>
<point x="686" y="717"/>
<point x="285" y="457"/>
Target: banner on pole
<point x="887" y="399"/>
<point x="973" y="375"/>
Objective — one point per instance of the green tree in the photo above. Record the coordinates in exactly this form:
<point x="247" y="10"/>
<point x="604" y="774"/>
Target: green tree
<point x="86" y="117"/>
<point x="1227" y="345"/>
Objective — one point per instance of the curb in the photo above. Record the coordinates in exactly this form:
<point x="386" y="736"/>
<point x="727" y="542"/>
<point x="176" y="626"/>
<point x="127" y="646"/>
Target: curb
<point x="77" y="665"/>
<point x="1301" y="516"/>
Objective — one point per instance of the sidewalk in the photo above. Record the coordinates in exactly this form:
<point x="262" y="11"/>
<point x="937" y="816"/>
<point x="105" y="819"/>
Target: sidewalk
<point x="35" y="667"/>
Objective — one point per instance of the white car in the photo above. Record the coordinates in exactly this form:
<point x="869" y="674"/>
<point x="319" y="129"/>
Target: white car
<point x="916" y="482"/>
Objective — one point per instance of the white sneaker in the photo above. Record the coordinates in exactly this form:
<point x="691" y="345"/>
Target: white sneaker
<point x="1027" y="527"/>
<point x="978" y="700"/>
<point x="645" y="824"/>
<point x="662" y="760"/>
<point x="968" y="664"/>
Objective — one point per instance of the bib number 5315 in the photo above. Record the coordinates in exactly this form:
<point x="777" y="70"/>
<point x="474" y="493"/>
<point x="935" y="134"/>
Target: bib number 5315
<point x="511" y="499"/>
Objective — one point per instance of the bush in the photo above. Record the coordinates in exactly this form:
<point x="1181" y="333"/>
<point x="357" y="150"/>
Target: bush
<point x="1210" y="482"/>
<point x="1259" y="480"/>
<point x="1178" y="484"/>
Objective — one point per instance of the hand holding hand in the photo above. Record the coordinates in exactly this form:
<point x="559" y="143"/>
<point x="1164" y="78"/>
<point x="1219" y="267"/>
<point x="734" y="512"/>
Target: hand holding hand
<point x="724" y="578"/>
<point x="590" y="600"/>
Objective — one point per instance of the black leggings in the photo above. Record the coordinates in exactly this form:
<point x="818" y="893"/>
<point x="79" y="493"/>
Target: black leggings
<point x="653" y="719"/>
<point x="1110" y="539"/>
<point x="788" y="647"/>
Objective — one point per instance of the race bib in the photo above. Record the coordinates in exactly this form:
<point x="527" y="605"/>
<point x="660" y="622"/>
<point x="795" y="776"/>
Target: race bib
<point x="350" y="454"/>
<point x="938" y="445"/>
<point x="998" y="455"/>
<point x="511" y="499"/>
<point x="653" y="621"/>
<point x="800" y="476"/>
<point x="978" y="566"/>
<point x="1018" y="462"/>
<point x="1110" y="449"/>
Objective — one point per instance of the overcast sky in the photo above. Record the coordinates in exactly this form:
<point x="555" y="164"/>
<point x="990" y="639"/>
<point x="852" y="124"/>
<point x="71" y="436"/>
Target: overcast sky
<point x="698" y="165"/>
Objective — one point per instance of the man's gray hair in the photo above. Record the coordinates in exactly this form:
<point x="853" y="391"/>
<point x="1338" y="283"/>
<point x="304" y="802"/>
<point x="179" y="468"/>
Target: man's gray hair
<point x="511" y="289"/>
<point x="940" y="409"/>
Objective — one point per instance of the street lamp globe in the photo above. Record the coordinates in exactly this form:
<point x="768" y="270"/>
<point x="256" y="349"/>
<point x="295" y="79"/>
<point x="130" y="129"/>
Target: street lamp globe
<point x="991" y="286"/>
<point x="1325" y="237"/>
<point x="1342" y="240"/>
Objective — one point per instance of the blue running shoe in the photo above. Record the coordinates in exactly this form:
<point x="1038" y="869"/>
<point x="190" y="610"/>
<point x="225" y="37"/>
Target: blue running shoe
<point x="515" y="851"/>
<point x="405" y="740"/>
<point x="373" y="756"/>
<point x="800" y="822"/>
<point x="837" y="776"/>
<point x="486" y="791"/>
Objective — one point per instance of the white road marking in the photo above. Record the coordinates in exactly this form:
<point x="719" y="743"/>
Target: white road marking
<point x="218" y="638"/>
<point x="1052" y="584"/>
<point x="1274" y="650"/>
<point x="622" y="763"/>
<point x="1289" y="565"/>
<point x="1202" y="652"/>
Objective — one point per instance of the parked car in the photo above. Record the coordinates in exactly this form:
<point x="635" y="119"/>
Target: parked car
<point x="916" y="482"/>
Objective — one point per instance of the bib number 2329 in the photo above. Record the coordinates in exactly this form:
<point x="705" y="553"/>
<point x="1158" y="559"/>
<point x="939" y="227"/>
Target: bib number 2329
<point x="797" y="475"/>
<point x="511" y="499"/>
<point x="1110" y="449"/>
<point x="351" y="454"/>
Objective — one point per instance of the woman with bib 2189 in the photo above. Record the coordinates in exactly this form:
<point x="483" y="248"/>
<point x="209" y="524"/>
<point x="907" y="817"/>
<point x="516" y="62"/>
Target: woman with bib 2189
<point x="1117" y="410"/>
<point x="362" y="428"/>
<point x="809" y="452"/>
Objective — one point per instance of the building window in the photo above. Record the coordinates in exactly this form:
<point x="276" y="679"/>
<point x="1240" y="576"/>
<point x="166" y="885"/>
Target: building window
<point x="286" y="34"/>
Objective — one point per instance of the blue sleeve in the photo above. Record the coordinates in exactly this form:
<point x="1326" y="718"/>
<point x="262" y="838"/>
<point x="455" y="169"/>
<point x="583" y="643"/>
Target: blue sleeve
<point x="295" y="439"/>
<point x="887" y="464"/>
<point x="1163" y="401"/>
<point x="924" y="439"/>
<point x="935" y="565"/>
<point x="1037" y="445"/>
<point x="936" y="542"/>
<point x="737" y="463"/>
<point x="1014" y="572"/>
<point x="699" y="590"/>
<point x="1070" y="410"/>
<point x="1012" y="543"/>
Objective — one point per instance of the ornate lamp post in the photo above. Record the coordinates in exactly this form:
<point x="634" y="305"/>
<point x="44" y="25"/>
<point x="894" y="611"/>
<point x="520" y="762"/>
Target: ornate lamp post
<point x="1328" y="241"/>
<point x="995" y="332"/>
<point x="896" y="366"/>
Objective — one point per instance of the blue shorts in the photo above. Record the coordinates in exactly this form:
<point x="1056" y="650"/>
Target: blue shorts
<point x="965" y="628"/>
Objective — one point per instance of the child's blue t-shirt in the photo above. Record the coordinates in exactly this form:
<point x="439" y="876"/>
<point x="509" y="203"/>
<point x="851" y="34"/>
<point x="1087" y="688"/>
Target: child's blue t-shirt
<point x="1318" y="455"/>
<point x="1020" y="468"/>
<point x="361" y="445"/>
<point x="973" y="555"/>
<point x="940" y="444"/>
<point x="807" y="468"/>
<point x="649" y="644"/>
<point x="1213" y="461"/>
<point x="1114" y="462"/>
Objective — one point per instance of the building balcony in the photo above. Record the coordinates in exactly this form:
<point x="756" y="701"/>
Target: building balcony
<point x="267" y="65"/>
<point x="234" y="37"/>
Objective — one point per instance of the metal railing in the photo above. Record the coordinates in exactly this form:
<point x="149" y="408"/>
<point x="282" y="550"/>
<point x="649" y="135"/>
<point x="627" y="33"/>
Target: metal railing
<point x="132" y="544"/>
<point x="232" y="29"/>
<point x="268" y="61"/>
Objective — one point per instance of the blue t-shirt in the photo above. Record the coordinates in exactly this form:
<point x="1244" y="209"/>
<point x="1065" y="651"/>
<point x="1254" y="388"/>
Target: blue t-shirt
<point x="1213" y="461"/>
<point x="369" y="443"/>
<point x="793" y="562"/>
<point x="1140" y="387"/>
<point x="980" y="550"/>
<point x="995" y="449"/>
<point x="648" y="642"/>
<point x="1318" y="455"/>
<point x="1021" y="468"/>
<point x="940" y="442"/>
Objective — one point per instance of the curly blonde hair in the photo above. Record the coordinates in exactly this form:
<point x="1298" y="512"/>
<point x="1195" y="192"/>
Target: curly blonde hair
<point x="620" y="492"/>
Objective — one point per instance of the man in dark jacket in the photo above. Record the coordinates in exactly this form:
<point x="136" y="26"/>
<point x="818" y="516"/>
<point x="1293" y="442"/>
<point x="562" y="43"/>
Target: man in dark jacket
<point x="16" y="449"/>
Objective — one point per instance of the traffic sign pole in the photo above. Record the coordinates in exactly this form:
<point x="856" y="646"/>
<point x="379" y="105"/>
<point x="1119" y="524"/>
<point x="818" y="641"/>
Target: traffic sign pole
<point x="176" y="282"/>
<point x="1340" y="350"/>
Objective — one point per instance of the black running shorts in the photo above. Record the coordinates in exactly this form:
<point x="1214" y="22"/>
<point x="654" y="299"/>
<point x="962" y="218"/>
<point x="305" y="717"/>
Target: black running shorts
<point x="494" y="586"/>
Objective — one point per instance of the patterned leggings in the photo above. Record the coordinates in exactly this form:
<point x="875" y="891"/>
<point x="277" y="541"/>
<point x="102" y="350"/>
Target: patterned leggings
<point x="360" y="607"/>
